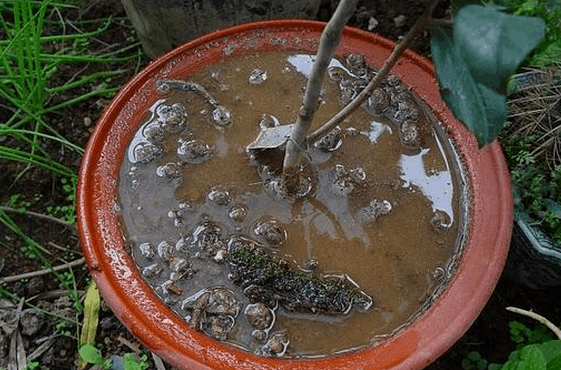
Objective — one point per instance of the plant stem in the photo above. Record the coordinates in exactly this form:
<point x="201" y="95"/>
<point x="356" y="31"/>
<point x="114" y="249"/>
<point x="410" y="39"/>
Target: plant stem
<point x="377" y="80"/>
<point x="539" y="318"/>
<point x="329" y="41"/>
<point x="29" y="275"/>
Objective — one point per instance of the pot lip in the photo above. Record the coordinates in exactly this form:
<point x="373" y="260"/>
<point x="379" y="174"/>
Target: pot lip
<point x="430" y="335"/>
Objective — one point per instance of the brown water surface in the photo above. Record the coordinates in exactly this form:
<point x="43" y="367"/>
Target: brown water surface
<point x="384" y="213"/>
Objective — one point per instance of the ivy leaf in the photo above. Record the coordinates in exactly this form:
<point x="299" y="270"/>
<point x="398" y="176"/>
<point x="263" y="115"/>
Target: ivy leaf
<point x="475" y="59"/>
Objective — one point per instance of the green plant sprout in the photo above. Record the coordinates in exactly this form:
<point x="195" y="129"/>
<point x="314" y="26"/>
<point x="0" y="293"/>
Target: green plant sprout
<point x="536" y="349"/>
<point x="127" y="362"/>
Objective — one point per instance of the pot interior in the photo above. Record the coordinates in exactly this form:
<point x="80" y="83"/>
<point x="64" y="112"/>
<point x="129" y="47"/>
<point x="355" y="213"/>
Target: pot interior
<point x="368" y="248"/>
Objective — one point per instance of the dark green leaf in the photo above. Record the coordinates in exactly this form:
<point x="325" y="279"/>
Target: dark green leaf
<point x="475" y="59"/>
<point x="528" y="358"/>
<point x="552" y="353"/>
<point x="494" y="43"/>
<point x="481" y="109"/>
<point x="554" y="364"/>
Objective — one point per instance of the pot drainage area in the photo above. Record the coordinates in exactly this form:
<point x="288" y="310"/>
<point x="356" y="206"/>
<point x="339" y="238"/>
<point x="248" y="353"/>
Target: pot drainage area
<point x="370" y="245"/>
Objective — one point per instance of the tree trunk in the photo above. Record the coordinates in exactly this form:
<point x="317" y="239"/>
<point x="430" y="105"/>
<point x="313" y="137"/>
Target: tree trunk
<point x="163" y="25"/>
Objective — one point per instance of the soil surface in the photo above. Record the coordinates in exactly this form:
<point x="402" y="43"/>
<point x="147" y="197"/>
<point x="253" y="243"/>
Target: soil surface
<point x="45" y="339"/>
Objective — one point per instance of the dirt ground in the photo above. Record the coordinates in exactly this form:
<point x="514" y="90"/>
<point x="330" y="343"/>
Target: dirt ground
<point x="44" y="337"/>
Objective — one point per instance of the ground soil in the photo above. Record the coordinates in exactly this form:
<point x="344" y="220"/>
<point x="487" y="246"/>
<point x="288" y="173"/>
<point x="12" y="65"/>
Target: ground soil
<point x="488" y="335"/>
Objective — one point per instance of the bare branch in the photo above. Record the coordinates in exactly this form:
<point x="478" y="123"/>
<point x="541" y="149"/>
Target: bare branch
<point x="377" y="80"/>
<point x="27" y="275"/>
<point x="329" y="41"/>
<point x="537" y="317"/>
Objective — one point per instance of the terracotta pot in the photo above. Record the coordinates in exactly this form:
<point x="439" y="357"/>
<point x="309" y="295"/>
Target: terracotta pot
<point x="148" y="318"/>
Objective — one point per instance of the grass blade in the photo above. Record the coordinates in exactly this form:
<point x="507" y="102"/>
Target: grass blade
<point x="91" y="319"/>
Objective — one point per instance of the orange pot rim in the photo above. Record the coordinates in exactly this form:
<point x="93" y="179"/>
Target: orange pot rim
<point x="163" y="332"/>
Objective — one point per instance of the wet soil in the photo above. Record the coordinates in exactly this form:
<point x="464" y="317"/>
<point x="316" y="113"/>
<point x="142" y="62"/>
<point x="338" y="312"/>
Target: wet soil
<point x="488" y="334"/>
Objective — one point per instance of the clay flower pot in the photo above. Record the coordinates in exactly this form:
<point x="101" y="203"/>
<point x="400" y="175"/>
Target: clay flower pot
<point x="148" y="318"/>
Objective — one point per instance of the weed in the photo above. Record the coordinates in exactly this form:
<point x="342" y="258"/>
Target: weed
<point x="532" y="145"/>
<point x="38" y="44"/>
<point x="128" y="362"/>
<point x="537" y="348"/>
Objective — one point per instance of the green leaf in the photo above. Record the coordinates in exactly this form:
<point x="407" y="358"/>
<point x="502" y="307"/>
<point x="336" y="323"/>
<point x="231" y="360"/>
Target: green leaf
<point x="554" y="364"/>
<point x="481" y="109"/>
<point x="475" y="59"/>
<point x="494" y="43"/>
<point x="130" y="362"/>
<point x="91" y="315"/>
<point x="91" y="318"/>
<point x="528" y="358"/>
<point x="552" y="353"/>
<point x="91" y="355"/>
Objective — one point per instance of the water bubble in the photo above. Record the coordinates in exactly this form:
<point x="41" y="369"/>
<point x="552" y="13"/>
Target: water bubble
<point x="376" y="208"/>
<point x="185" y="206"/>
<point x="357" y="64"/>
<point x="440" y="220"/>
<point x="174" y="117"/>
<point x="271" y="232"/>
<point x="238" y="213"/>
<point x="219" y="196"/>
<point x="181" y="269"/>
<point x="221" y="116"/>
<point x="409" y="133"/>
<point x="276" y="346"/>
<point x="257" y="76"/>
<point x="154" y="132"/>
<point x="169" y="171"/>
<point x="259" y="335"/>
<point x="146" y="152"/>
<point x="183" y="244"/>
<point x="218" y="326"/>
<point x="336" y="74"/>
<point x="268" y="121"/>
<point x="193" y="151"/>
<point x="378" y="102"/>
<point x="147" y="250"/>
<point x="342" y="184"/>
<point x="259" y="315"/>
<point x="330" y="142"/>
<point x="165" y="251"/>
<point x="151" y="271"/>
<point x="207" y="236"/>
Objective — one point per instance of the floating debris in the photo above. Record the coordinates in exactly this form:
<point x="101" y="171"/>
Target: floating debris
<point x="271" y="280"/>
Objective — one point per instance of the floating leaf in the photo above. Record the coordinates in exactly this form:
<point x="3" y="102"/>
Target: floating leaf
<point x="475" y="59"/>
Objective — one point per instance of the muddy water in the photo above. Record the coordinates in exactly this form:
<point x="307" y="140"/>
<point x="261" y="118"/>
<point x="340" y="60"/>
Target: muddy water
<point x="384" y="213"/>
